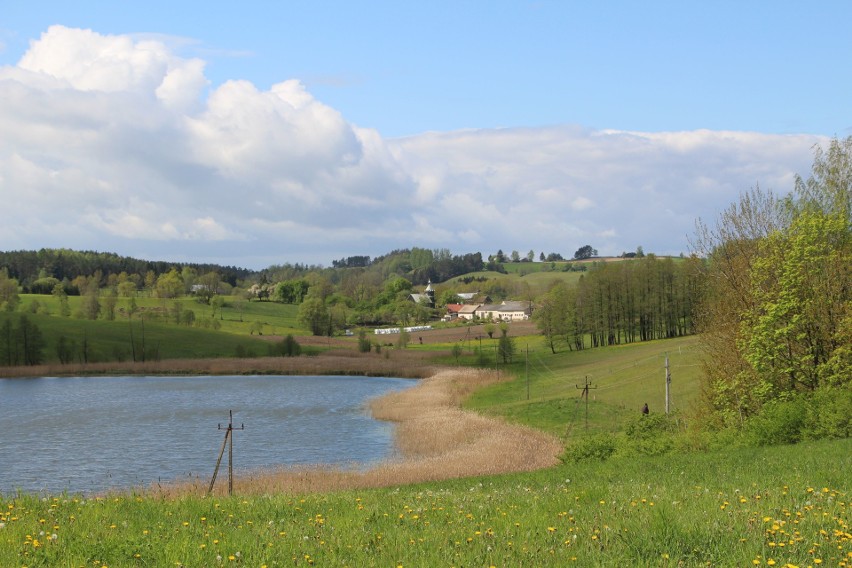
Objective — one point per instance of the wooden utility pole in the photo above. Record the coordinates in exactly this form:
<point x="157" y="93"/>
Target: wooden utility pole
<point x="585" y="394"/>
<point x="668" y="382"/>
<point x="229" y="442"/>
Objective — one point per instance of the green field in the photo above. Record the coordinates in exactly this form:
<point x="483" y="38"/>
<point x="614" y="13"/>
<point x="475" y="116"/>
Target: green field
<point x="234" y="330"/>
<point x="548" y="391"/>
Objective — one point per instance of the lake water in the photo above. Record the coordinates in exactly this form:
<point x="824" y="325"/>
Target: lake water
<point x="88" y="434"/>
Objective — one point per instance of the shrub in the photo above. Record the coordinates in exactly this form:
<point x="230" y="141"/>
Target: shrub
<point x="828" y="414"/>
<point x="364" y="345"/>
<point x="287" y="347"/>
<point x="651" y="434"/>
<point x="597" y="446"/>
<point x="779" y="422"/>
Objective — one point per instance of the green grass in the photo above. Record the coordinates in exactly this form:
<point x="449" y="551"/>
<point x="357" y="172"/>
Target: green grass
<point x="240" y="324"/>
<point x="110" y="340"/>
<point x="547" y="390"/>
<point x="238" y="316"/>
<point x="771" y="506"/>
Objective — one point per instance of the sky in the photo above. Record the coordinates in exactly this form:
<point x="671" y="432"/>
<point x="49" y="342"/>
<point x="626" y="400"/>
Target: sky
<point x="255" y="134"/>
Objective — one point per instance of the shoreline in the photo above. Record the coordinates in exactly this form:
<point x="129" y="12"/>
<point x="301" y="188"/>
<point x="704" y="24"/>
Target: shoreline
<point x="436" y="438"/>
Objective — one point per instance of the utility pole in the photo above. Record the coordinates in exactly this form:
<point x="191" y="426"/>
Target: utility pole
<point x="229" y="437"/>
<point x="585" y="394"/>
<point x="668" y="382"/>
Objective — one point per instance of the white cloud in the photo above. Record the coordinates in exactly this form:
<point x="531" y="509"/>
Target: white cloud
<point x="114" y="142"/>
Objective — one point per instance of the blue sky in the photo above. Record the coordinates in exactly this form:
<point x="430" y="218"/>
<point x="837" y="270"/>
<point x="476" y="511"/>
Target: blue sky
<point x="570" y="123"/>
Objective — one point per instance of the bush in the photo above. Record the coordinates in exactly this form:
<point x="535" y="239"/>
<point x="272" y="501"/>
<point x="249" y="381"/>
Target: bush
<point x="287" y="347"/>
<point x="779" y="422"/>
<point x="364" y="344"/>
<point x="651" y="434"/>
<point x="597" y="446"/>
<point x="828" y="414"/>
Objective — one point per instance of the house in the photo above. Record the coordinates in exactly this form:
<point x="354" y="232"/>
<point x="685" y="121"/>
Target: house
<point x="468" y="311"/>
<point x="505" y="311"/>
<point x="453" y="311"/>
<point x="427" y="298"/>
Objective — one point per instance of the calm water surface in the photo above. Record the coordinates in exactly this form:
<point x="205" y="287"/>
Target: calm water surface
<point x="89" y="434"/>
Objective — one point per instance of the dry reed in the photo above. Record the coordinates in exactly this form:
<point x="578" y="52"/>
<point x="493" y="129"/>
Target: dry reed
<point x="436" y="439"/>
<point x="329" y="363"/>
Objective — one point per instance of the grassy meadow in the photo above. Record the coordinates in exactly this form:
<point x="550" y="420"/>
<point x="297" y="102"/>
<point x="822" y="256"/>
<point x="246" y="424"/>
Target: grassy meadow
<point x="783" y="506"/>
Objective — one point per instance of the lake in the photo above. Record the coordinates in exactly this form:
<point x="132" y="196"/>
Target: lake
<point x="89" y="434"/>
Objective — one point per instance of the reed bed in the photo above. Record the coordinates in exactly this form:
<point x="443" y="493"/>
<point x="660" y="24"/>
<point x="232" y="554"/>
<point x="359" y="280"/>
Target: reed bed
<point x="329" y="363"/>
<point x="436" y="440"/>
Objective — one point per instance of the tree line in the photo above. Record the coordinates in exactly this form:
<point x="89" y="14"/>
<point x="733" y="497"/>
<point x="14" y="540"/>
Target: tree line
<point x="29" y="267"/>
<point x="622" y="302"/>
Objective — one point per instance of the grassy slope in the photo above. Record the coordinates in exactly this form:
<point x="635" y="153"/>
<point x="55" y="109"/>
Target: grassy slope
<point x="111" y="339"/>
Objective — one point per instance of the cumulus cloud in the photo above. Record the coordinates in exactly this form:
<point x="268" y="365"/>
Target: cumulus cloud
<point x="116" y="143"/>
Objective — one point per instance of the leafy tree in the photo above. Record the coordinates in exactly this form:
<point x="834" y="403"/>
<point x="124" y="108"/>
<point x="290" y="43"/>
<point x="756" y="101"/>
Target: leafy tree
<point x="169" y="285"/>
<point x="584" y="252"/>
<point x="552" y="315"/>
<point x="90" y="307"/>
<point x="364" y="344"/>
<point x="288" y="347"/>
<point x="313" y="315"/>
<point x="506" y="347"/>
<point x="291" y="291"/>
<point x="8" y="344"/>
<point x="109" y="303"/>
<point x="65" y="350"/>
<point x="9" y="298"/>
<point x="126" y="289"/>
<point x="448" y="297"/>
<point x="30" y="341"/>
<point x="516" y="256"/>
<point x="456" y="352"/>
<point x="778" y="299"/>
<point x="59" y="293"/>
<point x="531" y="255"/>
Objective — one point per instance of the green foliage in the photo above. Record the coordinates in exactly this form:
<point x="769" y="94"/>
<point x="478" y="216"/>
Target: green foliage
<point x="8" y="292"/>
<point x="585" y="252"/>
<point x="506" y="348"/>
<point x="592" y="447"/>
<point x="287" y="347"/>
<point x="829" y="413"/>
<point x="21" y="341"/>
<point x="651" y="434"/>
<point x="456" y="352"/>
<point x="313" y="315"/>
<point x="777" y="308"/>
<point x="779" y="422"/>
<point x="364" y="344"/>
